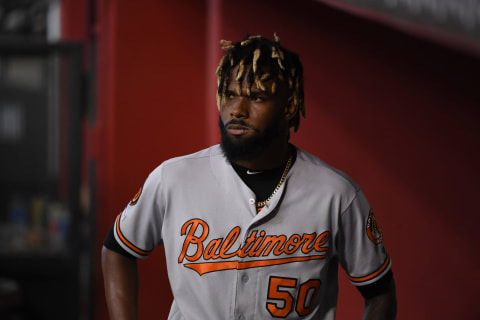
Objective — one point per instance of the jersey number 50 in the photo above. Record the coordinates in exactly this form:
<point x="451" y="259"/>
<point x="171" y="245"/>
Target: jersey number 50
<point x="277" y="290"/>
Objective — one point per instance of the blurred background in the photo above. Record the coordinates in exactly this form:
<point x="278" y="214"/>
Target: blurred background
<point x="94" y="94"/>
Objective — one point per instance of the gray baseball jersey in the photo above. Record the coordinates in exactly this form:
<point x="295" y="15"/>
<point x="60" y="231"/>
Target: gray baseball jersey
<point x="225" y="261"/>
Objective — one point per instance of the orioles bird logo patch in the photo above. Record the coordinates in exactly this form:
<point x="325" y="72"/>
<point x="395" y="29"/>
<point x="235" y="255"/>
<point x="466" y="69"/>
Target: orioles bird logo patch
<point x="373" y="230"/>
<point x="136" y="197"/>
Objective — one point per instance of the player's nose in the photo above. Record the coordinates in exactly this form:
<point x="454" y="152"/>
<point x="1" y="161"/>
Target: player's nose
<point x="240" y="107"/>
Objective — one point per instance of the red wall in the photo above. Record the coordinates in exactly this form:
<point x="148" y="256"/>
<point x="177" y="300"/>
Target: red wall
<point x="150" y="100"/>
<point x="396" y="113"/>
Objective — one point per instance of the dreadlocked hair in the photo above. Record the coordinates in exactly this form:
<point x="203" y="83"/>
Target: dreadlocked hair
<point x="268" y="60"/>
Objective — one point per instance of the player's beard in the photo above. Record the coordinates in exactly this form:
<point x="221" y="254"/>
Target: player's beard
<point x="244" y="149"/>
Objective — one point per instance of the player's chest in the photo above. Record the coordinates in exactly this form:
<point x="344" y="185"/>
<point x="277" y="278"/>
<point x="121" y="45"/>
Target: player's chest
<point x="275" y="266"/>
<point x="224" y="235"/>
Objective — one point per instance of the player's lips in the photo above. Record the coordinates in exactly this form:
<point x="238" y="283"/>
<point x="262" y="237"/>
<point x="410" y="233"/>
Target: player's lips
<point x="237" y="129"/>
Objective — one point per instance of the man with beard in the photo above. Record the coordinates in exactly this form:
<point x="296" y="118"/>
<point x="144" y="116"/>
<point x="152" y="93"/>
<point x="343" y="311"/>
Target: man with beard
<point x="254" y="228"/>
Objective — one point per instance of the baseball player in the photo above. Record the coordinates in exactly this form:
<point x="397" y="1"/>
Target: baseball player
<point x="253" y="228"/>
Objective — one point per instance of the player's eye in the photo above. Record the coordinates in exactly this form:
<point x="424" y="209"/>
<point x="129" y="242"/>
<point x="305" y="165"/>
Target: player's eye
<point x="257" y="98"/>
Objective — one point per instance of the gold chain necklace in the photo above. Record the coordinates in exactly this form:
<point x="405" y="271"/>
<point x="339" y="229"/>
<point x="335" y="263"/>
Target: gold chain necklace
<point x="282" y="180"/>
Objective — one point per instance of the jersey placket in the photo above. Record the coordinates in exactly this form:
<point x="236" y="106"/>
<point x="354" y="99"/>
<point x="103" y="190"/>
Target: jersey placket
<point x="246" y="294"/>
<point x="247" y="281"/>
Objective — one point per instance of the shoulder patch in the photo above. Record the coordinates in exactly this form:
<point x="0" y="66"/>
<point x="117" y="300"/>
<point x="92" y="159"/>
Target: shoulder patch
<point x="136" y="197"/>
<point x="373" y="230"/>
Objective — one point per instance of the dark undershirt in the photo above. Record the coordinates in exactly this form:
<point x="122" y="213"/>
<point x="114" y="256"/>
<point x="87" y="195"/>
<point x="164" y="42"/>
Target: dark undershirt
<point x="263" y="184"/>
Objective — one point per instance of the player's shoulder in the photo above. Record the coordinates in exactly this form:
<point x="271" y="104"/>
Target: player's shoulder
<point x="193" y="160"/>
<point x="181" y="165"/>
<point x="318" y="173"/>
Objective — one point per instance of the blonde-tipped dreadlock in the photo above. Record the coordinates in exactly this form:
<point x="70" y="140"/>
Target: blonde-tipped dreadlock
<point x="268" y="60"/>
<point x="226" y="45"/>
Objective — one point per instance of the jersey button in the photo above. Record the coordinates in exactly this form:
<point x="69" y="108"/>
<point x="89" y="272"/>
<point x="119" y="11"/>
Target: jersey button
<point x="245" y="278"/>
<point x="252" y="201"/>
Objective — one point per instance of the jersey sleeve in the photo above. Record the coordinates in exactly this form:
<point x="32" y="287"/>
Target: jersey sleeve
<point x="138" y="227"/>
<point x="111" y="243"/>
<point x="360" y="247"/>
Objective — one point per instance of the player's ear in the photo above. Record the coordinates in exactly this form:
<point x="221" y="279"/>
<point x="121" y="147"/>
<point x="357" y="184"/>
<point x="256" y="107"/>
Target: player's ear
<point x="290" y="108"/>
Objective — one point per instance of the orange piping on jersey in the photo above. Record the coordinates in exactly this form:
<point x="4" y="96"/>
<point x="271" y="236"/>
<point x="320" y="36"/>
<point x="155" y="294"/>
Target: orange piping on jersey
<point x="128" y="243"/>
<point x="372" y="275"/>
<point x="205" y="267"/>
